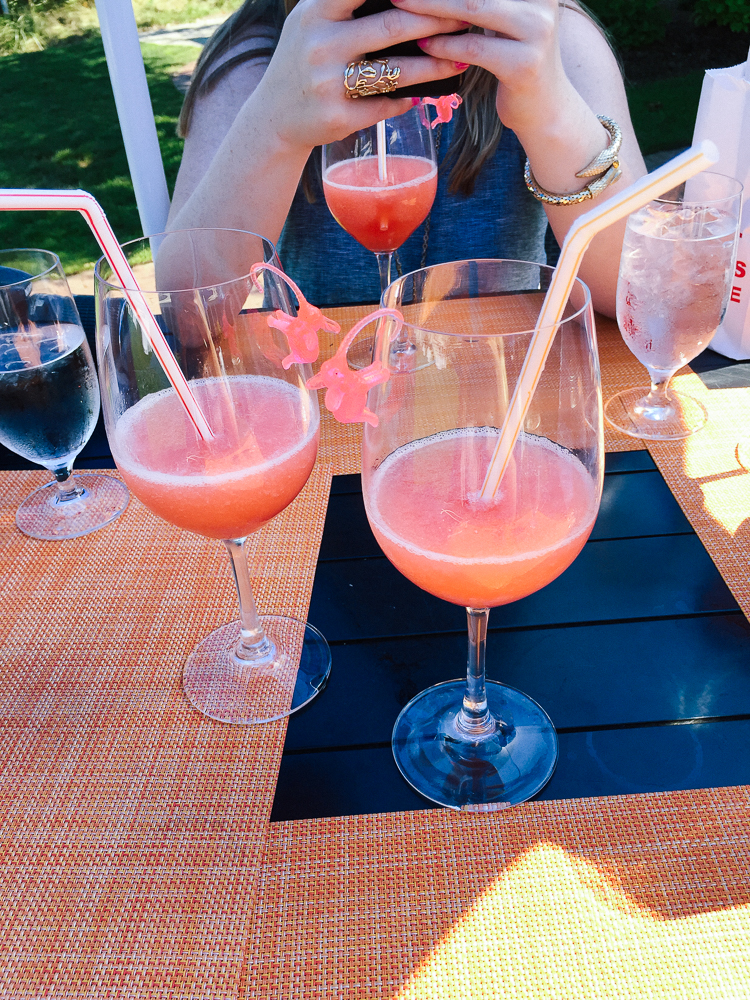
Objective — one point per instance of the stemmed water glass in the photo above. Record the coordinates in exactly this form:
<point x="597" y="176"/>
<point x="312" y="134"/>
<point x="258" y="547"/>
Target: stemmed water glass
<point x="675" y="277"/>
<point x="49" y="397"/>
<point x="379" y="184"/>
<point x="476" y="743"/>
<point x="266" y="428"/>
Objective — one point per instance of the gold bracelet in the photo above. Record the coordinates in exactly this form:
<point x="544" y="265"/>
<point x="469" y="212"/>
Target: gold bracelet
<point x="604" y="168"/>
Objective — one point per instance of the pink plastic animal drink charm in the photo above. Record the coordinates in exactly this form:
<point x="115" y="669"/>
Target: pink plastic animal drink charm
<point x="445" y="107"/>
<point x="301" y="330"/>
<point x="346" y="397"/>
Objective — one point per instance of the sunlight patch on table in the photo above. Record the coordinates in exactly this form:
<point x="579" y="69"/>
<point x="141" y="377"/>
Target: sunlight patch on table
<point x="553" y="926"/>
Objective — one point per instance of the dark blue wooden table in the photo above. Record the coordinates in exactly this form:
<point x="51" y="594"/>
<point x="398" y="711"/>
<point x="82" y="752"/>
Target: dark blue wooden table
<point x="638" y="652"/>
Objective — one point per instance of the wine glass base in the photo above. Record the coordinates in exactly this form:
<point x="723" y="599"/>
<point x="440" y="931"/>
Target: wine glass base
<point x="629" y="413"/>
<point x="227" y="690"/>
<point x="103" y="499"/>
<point x="508" y="767"/>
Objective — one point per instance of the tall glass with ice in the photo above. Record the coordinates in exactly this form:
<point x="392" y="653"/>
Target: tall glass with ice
<point x="675" y="277"/>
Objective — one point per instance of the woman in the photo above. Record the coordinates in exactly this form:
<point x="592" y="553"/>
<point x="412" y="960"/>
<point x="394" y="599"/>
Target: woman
<point x="539" y="75"/>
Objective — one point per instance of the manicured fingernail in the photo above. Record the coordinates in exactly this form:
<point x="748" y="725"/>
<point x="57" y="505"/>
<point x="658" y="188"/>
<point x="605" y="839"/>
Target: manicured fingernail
<point x="461" y="66"/>
<point x="421" y="42"/>
<point x="415" y="101"/>
<point x="464" y="24"/>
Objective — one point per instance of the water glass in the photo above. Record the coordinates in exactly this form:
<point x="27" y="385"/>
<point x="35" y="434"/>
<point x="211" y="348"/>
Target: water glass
<point x="49" y="397"/>
<point x="675" y="277"/>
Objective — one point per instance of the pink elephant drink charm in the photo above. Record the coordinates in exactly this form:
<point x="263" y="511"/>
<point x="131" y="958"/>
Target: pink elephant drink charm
<point x="347" y="389"/>
<point x="301" y="331"/>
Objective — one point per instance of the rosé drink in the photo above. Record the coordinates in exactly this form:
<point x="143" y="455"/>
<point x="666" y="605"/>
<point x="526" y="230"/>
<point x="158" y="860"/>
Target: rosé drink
<point x="477" y="744"/>
<point x="674" y="287"/>
<point x="381" y="214"/>
<point x="256" y="465"/>
<point x="473" y="553"/>
<point x="214" y="292"/>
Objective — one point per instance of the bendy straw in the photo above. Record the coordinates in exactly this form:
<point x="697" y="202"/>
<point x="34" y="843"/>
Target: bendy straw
<point x="21" y="199"/>
<point x="580" y="235"/>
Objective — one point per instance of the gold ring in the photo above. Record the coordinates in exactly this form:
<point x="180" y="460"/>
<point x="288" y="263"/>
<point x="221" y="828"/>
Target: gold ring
<point x="370" y="77"/>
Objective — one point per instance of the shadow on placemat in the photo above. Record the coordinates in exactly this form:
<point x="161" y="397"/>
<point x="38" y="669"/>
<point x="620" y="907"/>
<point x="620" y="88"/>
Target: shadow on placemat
<point x="718" y="372"/>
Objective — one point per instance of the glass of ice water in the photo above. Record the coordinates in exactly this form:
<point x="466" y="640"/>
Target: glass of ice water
<point x="49" y="397"/>
<point x="675" y="278"/>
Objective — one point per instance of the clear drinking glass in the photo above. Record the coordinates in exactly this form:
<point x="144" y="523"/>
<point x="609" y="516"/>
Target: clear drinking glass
<point x="49" y="397"/>
<point x="380" y="188"/>
<point x="675" y="277"/>
<point x="266" y="428"/>
<point x="477" y="744"/>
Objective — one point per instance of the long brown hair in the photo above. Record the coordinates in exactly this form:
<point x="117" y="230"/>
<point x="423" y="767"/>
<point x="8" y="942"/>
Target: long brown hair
<point x="478" y="128"/>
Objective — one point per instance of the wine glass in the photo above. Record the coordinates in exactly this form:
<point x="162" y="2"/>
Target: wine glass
<point x="379" y="184"/>
<point x="266" y="428"/>
<point x="49" y="397"/>
<point x="675" y="278"/>
<point x="477" y="744"/>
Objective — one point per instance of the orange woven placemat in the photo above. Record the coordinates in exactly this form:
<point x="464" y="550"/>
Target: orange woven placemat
<point x="709" y="483"/>
<point x="612" y="897"/>
<point x="131" y="826"/>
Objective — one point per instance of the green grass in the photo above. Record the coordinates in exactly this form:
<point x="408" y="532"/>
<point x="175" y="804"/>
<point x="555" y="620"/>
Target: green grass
<point x="32" y="25"/>
<point x="59" y="129"/>
<point x="663" y="111"/>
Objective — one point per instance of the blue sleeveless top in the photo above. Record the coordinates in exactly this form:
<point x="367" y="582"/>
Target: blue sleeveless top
<point x="500" y="219"/>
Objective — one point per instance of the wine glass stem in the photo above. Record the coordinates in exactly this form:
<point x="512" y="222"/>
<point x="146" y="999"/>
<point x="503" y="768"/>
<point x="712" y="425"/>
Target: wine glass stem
<point x="660" y="379"/>
<point x="66" y="490"/>
<point x="253" y="646"/>
<point x="384" y="266"/>
<point x="474" y="720"/>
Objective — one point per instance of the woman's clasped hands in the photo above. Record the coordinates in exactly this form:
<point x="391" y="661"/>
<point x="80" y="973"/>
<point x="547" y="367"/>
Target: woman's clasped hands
<point x="303" y="90"/>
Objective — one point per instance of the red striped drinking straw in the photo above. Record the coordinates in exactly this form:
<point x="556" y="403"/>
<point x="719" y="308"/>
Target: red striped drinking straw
<point x="21" y="199"/>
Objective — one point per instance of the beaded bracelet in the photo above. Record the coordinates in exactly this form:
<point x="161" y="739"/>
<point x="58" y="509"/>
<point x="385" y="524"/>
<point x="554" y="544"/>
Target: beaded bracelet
<point x="604" y="168"/>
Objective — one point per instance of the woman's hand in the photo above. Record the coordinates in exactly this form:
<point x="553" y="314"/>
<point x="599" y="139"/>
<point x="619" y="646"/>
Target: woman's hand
<point x="302" y="91"/>
<point x="555" y="74"/>
<point x="519" y="45"/>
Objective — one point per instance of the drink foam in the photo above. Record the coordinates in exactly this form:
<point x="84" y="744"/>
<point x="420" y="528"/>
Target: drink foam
<point x="137" y="415"/>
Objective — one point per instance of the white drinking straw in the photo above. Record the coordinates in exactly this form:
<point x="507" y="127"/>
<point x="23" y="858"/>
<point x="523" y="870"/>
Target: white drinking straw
<point x="91" y="210"/>
<point x="381" y="145"/>
<point x="580" y="235"/>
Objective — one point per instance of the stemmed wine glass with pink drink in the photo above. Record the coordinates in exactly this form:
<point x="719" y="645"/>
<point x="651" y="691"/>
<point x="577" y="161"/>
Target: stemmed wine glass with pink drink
<point x="475" y="743"/>
<point x="265" y="428"/>
<point x="379" y="184"/>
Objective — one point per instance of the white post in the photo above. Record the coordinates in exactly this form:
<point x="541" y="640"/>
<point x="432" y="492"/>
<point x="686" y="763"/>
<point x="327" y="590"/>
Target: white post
<point x="128" y="76"/>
